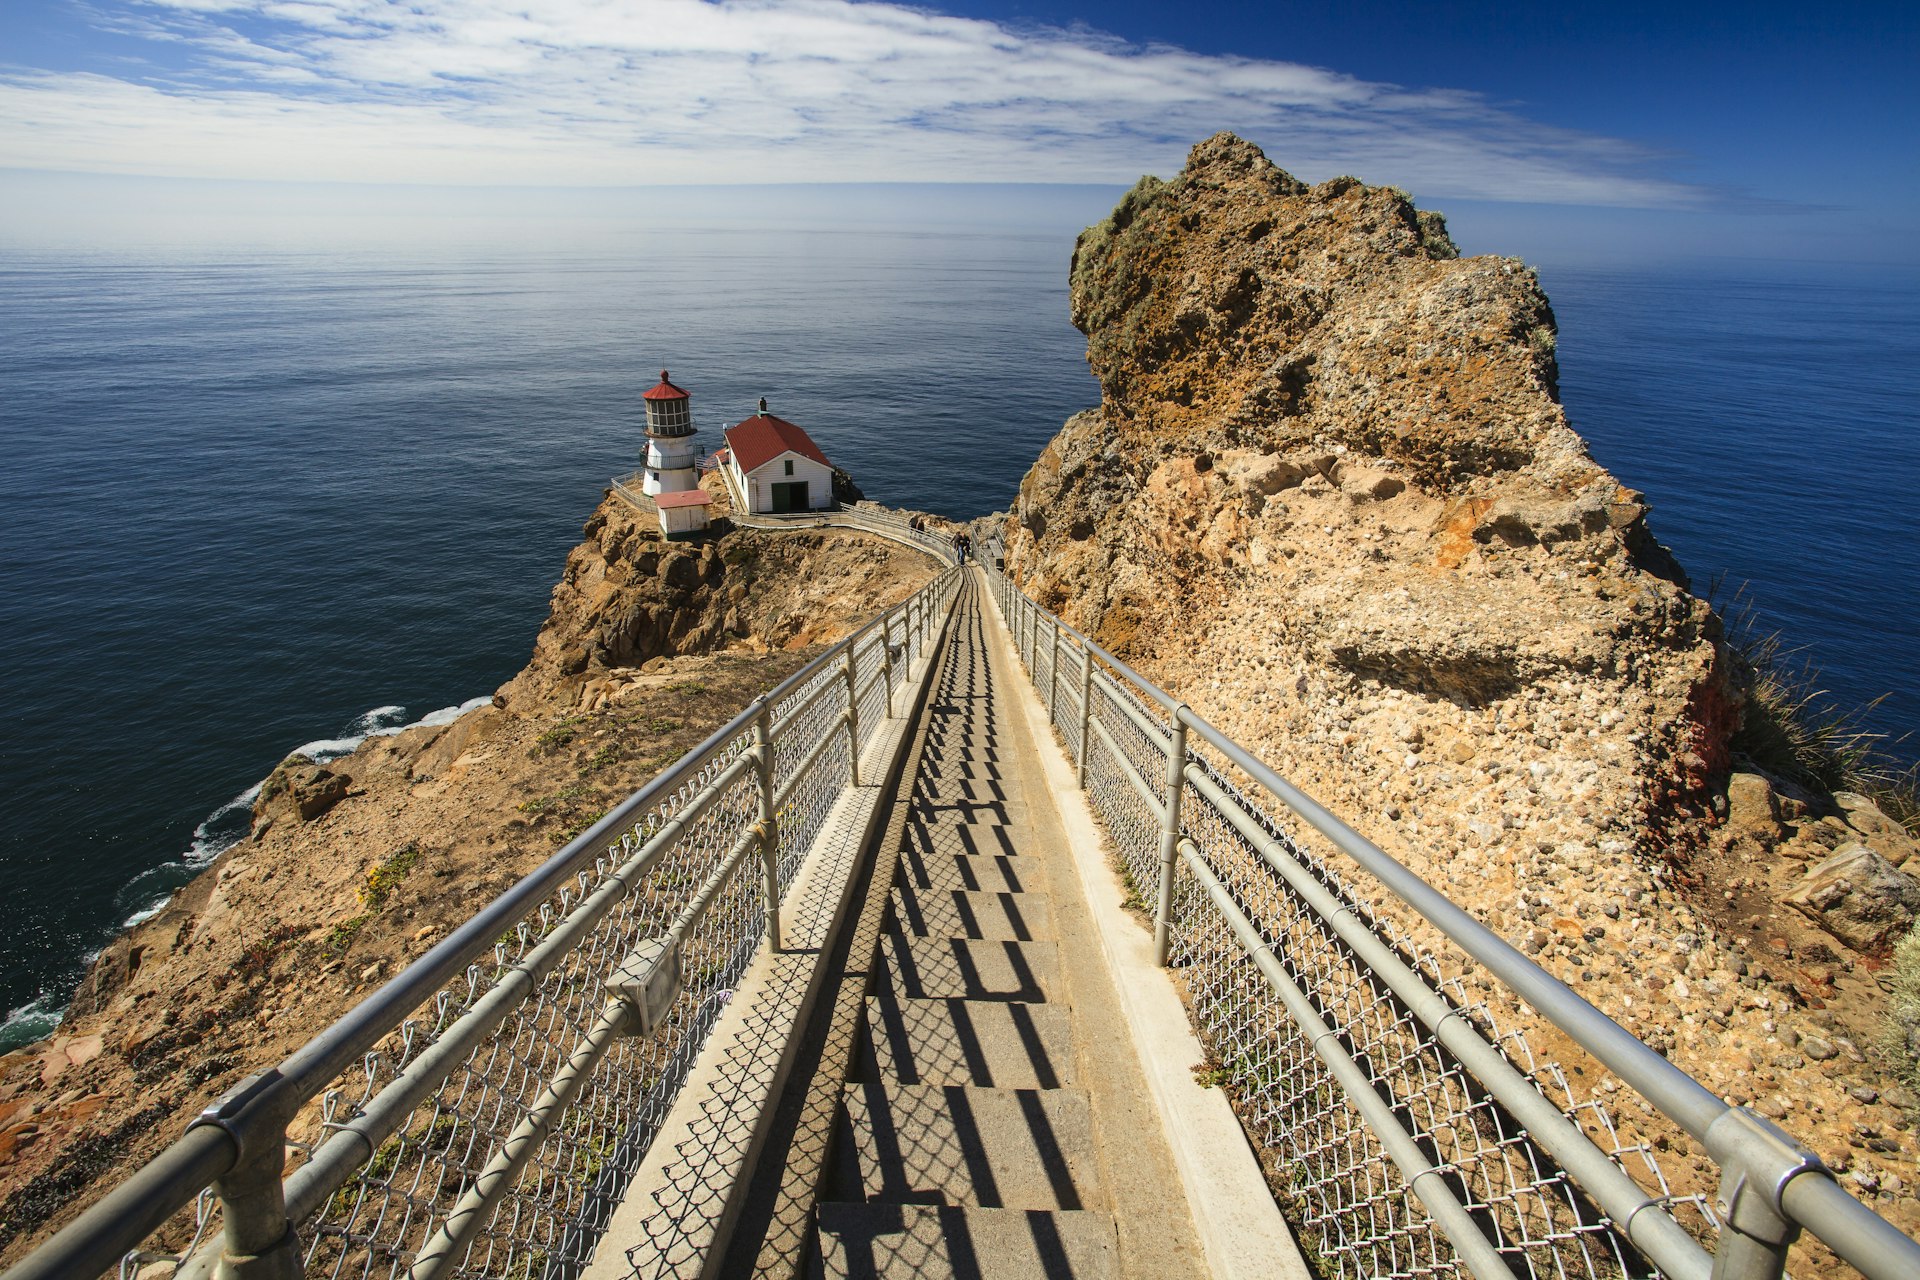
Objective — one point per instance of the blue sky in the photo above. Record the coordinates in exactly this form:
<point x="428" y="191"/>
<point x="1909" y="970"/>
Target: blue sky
<point x="1763" y="129"/>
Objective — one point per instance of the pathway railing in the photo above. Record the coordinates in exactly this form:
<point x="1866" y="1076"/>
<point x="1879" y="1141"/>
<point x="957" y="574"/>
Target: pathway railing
<point x="482" y="1112"/>
<point x="1405" y="1132"/>
<point x="866" y="516"/>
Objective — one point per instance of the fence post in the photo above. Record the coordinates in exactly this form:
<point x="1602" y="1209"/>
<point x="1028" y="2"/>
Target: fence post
<point x="853" y="717"/>
<point x="259" y="1242"/>
<point x="886" y="658"/>
<point x="769" y="824"/>
<point x="1756" y="1162"/>
<point x="1053" y="678"/>
<point x="1170" y="837"/>
<point x="1086" y="708"/>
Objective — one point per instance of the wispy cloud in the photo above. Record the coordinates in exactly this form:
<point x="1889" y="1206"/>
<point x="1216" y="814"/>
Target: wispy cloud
<point x="617" y="92"/>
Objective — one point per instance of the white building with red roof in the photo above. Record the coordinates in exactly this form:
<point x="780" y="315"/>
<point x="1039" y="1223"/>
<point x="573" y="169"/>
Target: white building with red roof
<point x="774" y="467"/>
<point x="684" y="512"/>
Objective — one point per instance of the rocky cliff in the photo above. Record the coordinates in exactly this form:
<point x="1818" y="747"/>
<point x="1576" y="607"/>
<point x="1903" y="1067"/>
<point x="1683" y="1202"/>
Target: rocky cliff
<point x="1331" y="498"/>
<point x="361" y="864"/>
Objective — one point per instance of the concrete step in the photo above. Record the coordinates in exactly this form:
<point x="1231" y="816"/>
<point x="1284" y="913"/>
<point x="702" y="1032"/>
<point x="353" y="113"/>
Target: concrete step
<point x="960" y="810"/>
<point x="961" y="913"/>
<point x="921" y="968"/>
<point x="953" y="1144"/>
<point x="987" y="1043"/>
<point x="940" y="869"/>
<point x="940" y="789"/>
<point x="929" y="840"/>
<point x="934" y="1242"/>
<point x="964" y="753"/>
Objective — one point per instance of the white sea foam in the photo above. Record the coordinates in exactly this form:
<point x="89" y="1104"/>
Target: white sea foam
<point x="34" y="1020"/>
<point x="218" y="832"/>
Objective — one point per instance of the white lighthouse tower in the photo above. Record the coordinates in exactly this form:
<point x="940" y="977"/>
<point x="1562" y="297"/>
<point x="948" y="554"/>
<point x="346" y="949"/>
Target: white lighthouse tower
<point x="672" y="461"/>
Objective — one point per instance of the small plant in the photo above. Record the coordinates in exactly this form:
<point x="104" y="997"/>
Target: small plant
<point x="601" y="758"/>
<point x="1900" y="1038"/>
<point x="560" y="735"/>
<point x="383" y="879"/>
<point x="662" y="725"/>
<point x="689" y="687"/>
<point x="575" y="828"/>
<point x="1211" y="1074"/>
<point x="259" y="957"/>
<point x="341" y="936"/>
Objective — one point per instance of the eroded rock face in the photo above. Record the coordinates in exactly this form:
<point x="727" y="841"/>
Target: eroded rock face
<point x="1330" y="498"/>
<point x="1329" y="488"/>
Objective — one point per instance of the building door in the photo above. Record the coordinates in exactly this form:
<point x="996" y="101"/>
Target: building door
<point x="789" y="497"/>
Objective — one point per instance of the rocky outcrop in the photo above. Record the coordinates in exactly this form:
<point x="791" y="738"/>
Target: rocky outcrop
<point x="1331" y="499"/>
<point x="360" y="865"/>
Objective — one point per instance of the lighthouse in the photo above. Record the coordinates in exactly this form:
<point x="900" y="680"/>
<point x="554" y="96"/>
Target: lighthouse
<point x="672" y="462"/>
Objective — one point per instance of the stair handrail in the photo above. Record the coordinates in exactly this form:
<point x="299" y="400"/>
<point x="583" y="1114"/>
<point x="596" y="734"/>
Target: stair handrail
<point x="1771" y="1186"/>
<point x="238" y="1145"/>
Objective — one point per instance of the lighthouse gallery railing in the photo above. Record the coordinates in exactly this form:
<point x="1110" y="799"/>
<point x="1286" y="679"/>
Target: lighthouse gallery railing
<point x="1406" y="1134"/>
<point x="482" y="1112"/>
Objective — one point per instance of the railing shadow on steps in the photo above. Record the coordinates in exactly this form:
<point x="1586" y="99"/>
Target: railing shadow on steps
<point x="1403" y="1131"/>
<point x="481" y="1113"/>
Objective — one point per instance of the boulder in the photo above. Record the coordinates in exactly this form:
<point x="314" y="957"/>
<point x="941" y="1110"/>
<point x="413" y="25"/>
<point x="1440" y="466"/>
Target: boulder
<point x="1859" y="897"/>
<point x="299" y="790"/>
<point x="1753" y="814"/>
<point x="1882" y="834"/>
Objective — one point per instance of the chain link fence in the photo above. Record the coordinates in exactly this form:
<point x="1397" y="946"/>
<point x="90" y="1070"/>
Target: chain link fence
<point x="1404" y="1131"/>
<point x="483" y="1113"/>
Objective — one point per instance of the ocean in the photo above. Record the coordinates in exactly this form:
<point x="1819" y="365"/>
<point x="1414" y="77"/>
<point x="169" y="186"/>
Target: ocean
<point x="276" y="498"/>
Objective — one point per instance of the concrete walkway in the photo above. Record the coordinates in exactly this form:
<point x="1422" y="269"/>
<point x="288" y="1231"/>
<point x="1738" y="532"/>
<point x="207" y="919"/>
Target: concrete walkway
<point x="996" y="1122"/>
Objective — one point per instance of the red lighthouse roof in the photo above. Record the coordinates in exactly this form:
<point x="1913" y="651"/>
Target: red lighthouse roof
<point x="666" y="390"/>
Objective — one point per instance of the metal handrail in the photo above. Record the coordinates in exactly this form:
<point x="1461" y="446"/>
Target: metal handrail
<point x="238" y="1144"/>
<point x="1771" y="1187"/>
<point x="867" y="517"/>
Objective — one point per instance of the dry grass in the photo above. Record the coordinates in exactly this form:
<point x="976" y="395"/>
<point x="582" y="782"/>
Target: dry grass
<point x="1793" y="727"/>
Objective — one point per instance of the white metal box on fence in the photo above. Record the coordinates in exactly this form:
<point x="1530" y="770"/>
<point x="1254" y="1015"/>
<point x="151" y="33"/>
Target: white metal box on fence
<point x="649" y="981"/>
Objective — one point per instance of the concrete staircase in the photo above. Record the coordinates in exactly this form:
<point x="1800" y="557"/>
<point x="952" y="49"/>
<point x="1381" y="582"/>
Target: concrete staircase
<point x="966" y="1143"/>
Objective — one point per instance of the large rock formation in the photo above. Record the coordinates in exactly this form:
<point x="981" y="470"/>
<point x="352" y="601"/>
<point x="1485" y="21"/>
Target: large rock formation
<point x="1330" y="497"/>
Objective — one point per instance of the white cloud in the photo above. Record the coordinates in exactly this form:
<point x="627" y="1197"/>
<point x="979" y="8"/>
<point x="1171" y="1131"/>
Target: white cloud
<point x="616" y="92"/>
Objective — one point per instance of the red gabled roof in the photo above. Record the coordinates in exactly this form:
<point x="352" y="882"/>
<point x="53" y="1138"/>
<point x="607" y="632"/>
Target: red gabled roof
<point x="666" y="391"/>
<point x="763" y="437"/>
<point x="683" y="498"/>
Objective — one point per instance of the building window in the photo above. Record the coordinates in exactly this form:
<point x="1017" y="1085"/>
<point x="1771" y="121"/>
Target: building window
<point x="789" y="466"/>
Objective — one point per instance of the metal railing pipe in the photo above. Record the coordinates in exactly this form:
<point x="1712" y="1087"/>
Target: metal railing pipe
<point x="1169" y="842"/>
<point x="1684" y="1099"/>
<point x="93" y="1243"/>
<point x="769" y="825"/>
<point x="1424" y="1179"/>
<point x="886" y="656"/>
<point x="853" y="720"/>
<point x="1880" y="1250"/>
<point x="1086" y="706"/>
<point x="1655" y="1234"/>
<point x="1053" y="678"/>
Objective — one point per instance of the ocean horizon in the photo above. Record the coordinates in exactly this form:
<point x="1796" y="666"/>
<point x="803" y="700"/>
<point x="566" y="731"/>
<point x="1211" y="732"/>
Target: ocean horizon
<point x="276" y="497"/>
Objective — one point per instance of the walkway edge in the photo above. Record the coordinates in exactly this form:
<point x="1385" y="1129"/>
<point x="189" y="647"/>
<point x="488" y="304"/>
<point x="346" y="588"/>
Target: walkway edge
<point x="1234" y="1214"/>
<point x="690" y="1187"/>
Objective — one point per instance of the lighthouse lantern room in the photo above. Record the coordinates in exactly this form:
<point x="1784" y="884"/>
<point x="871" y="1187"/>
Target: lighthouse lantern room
<point x="672" y="461"/>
